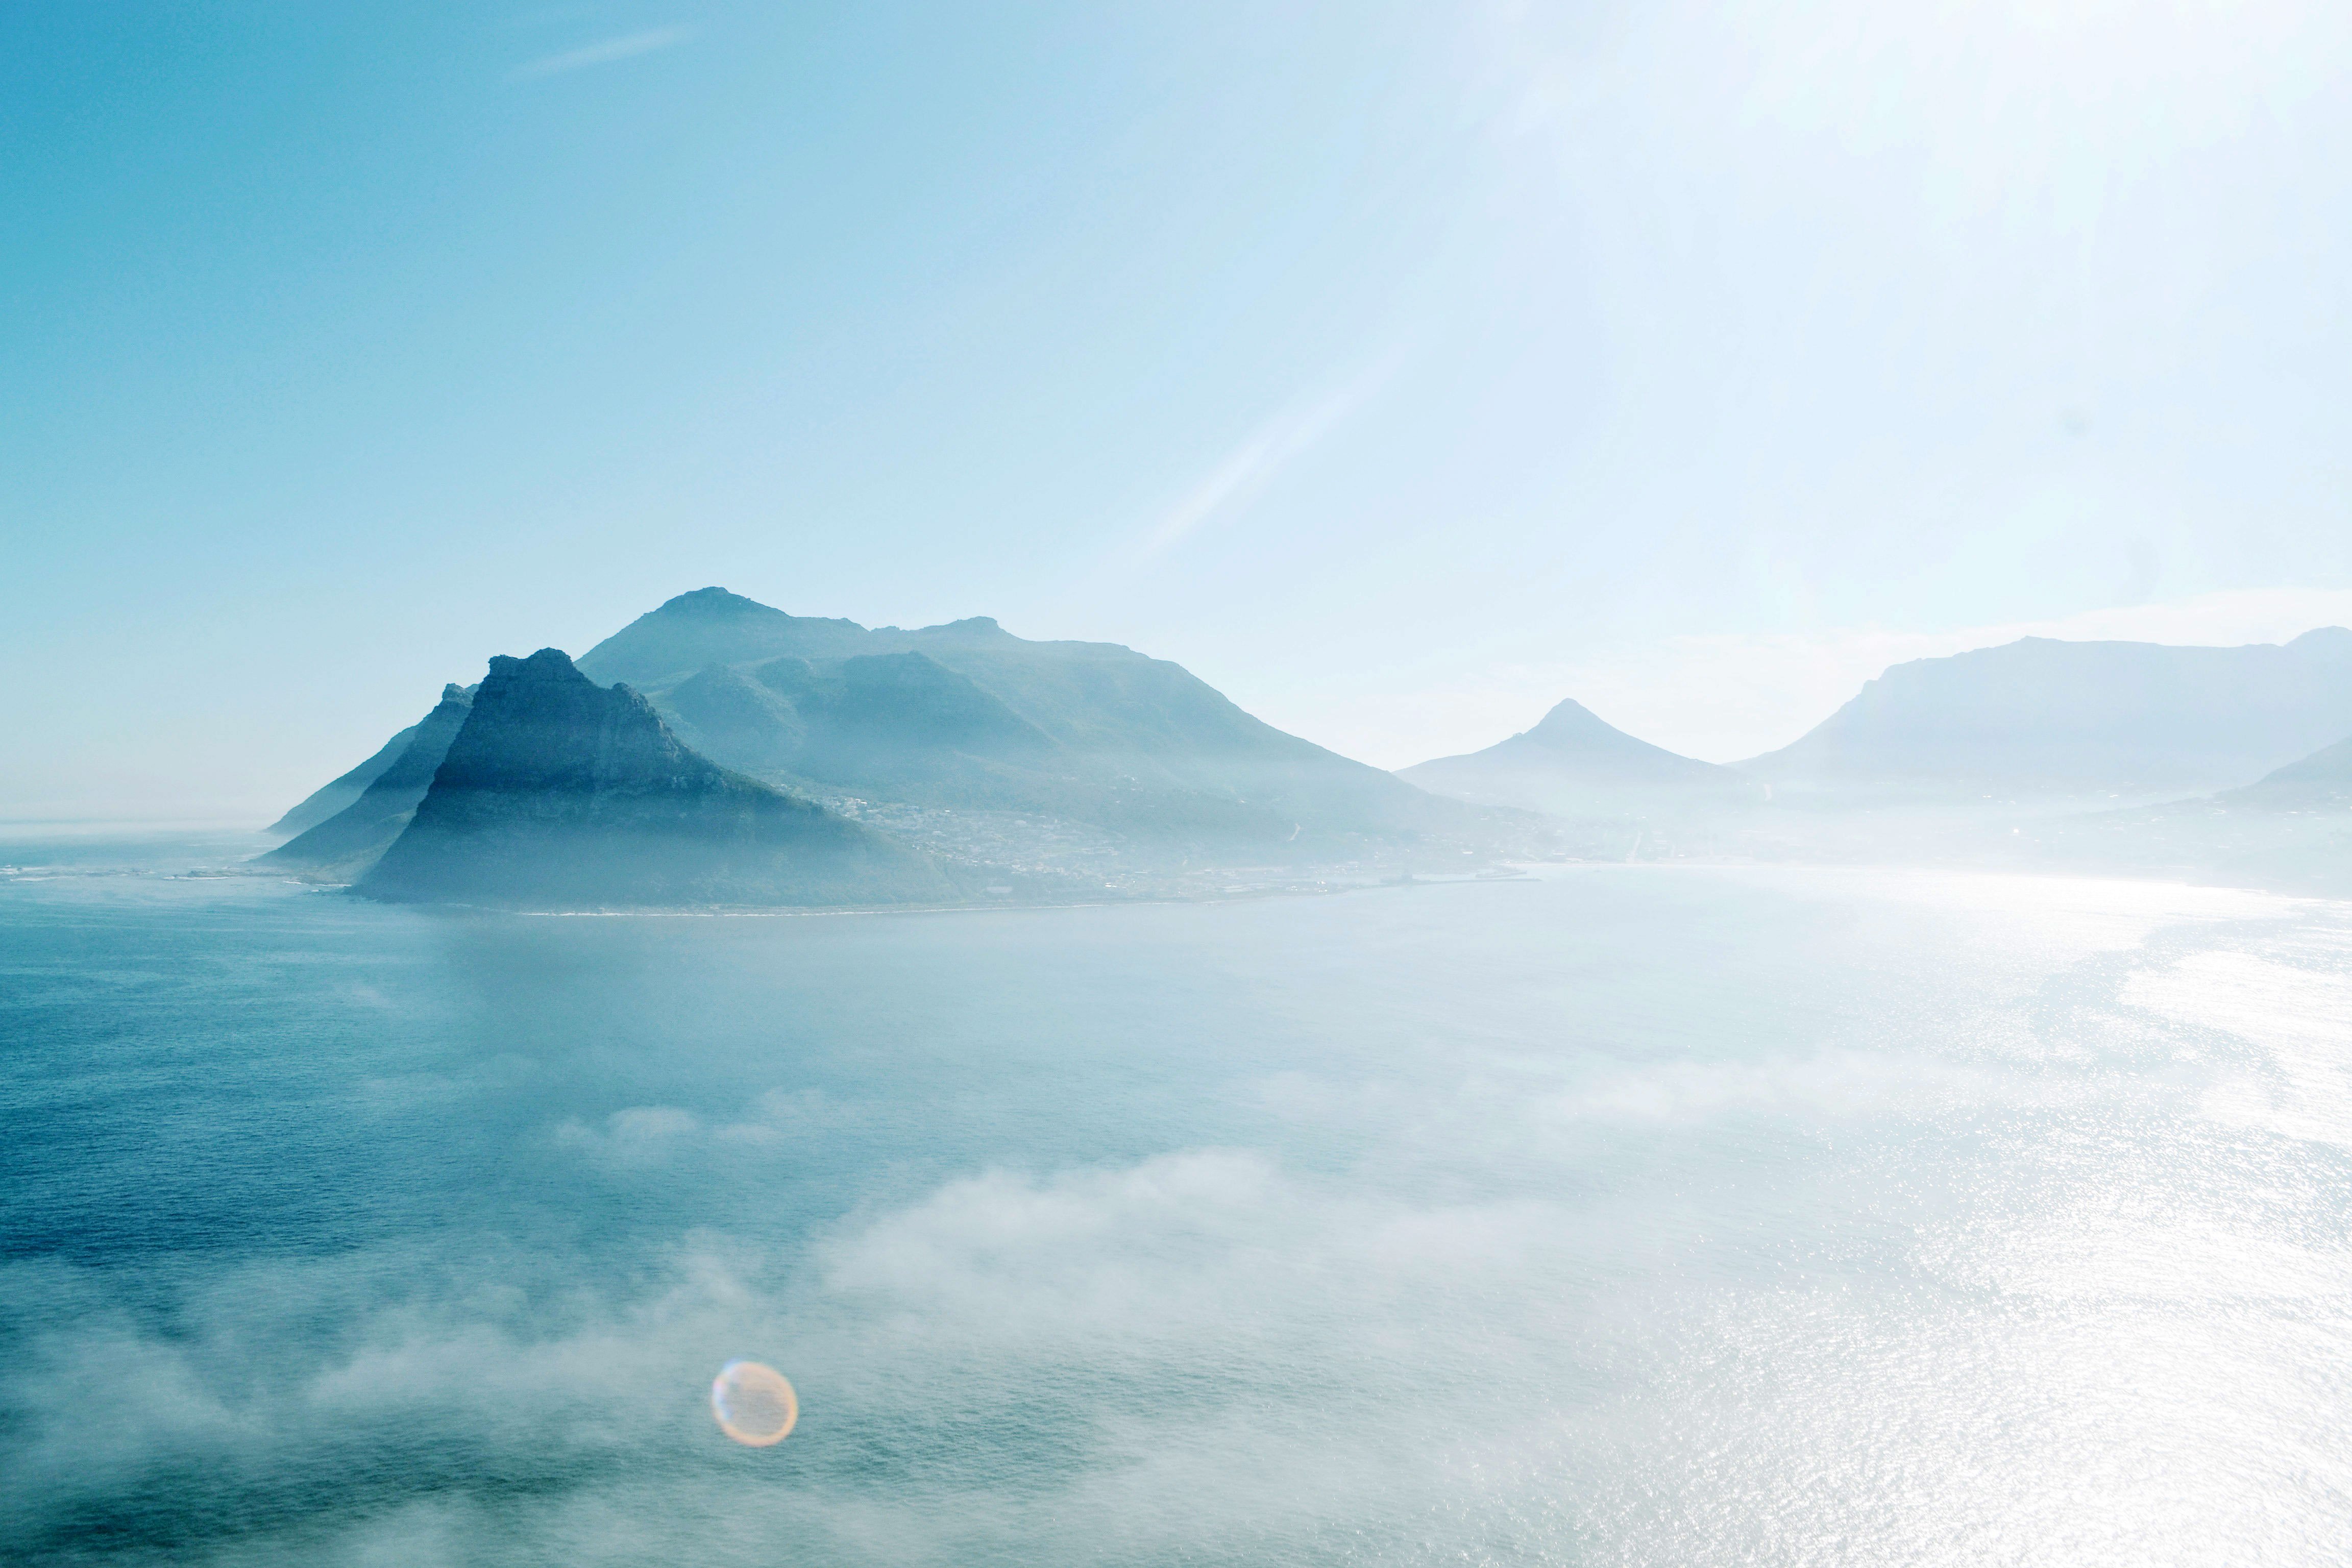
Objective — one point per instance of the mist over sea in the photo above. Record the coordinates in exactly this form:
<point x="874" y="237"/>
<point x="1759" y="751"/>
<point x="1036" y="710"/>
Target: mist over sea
<point x="1652" y="1215"/>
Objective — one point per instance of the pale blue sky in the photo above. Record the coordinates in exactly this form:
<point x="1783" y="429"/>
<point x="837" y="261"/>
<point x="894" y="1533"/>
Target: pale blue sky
<point x="1400" y="369"/>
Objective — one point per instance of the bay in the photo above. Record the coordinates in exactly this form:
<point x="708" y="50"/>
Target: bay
<point x="1616" y="1215"/>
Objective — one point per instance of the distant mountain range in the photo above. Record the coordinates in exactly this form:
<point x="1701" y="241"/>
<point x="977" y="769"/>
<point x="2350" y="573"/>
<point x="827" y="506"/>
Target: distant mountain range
<point x="2055" y="718"/>
<point x="720" y="751"/>
<point x="717" y="750"/>
<point x="1574" y="764"/>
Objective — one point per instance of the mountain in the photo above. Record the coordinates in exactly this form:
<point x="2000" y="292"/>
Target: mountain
<point x="349" y="841"/>
<point x="899" y="726"/>
<point x="2039" y="715"/>
<point x="2320" y="781"/>
<point x="869" y="717"/>
<point x="559" y="793"/>
<point x="967" y="715"/>
<point x="1575" y="764"/>
<point x="2290" y="831"/>
<point x="711" y="626"/>
<point x="340" y="790"/>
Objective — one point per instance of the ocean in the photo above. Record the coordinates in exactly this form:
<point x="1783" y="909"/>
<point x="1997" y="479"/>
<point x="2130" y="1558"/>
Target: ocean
<point x="1626" y="1215"/>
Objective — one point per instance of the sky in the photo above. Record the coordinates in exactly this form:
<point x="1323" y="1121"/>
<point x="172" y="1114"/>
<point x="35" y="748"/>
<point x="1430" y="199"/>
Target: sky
<point x="1399" y="369"/>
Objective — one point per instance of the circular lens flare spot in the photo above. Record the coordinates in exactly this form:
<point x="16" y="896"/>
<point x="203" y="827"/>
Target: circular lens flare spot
<point x="754" y="1403"/>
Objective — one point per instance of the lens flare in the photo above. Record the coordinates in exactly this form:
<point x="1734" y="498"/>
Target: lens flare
<point x="754" y="1403"/>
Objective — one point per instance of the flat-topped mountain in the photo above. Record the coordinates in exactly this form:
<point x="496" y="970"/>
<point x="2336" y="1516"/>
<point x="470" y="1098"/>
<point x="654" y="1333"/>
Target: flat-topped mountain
<point x="349" y="841"/>
<point x="968" y="715"/>
<point x="2320" y="781"/>
<point x="559" y="793"/>
<point x="2066" y="717"/>
<point x="1573" y="763"/>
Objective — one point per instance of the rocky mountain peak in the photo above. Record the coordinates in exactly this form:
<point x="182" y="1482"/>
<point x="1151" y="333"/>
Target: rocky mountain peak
<point x="1571" y="722"/>
<point x="558" y="791"/>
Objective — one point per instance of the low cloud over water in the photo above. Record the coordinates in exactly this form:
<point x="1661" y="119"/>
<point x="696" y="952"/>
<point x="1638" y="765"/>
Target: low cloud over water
<point x="1275" y="1248"/>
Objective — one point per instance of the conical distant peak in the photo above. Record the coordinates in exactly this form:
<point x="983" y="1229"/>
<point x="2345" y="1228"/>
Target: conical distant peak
<point x="1577" y="736"/>
<point x="1570" y="721"/>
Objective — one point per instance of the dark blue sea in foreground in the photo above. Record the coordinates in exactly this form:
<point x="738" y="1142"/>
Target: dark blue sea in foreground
<point x="1621" y="1214"/>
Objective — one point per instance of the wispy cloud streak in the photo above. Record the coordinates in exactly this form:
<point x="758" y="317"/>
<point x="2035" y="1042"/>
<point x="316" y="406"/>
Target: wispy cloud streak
<point x="622" y="48"/>
<point x="1244" y="471"/>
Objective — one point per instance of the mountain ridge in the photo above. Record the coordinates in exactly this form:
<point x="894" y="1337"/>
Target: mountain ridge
<point x="340" y="791"/>
<point x="2054" y="716"/>
<point x="351" y="840"/>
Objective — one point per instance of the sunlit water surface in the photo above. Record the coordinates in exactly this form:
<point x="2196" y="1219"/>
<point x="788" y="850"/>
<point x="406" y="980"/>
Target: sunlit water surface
<point x="1623" y="1216"/>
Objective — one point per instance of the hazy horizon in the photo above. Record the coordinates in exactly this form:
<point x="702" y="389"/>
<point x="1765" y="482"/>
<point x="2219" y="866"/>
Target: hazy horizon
<point x="1811" y="666"/>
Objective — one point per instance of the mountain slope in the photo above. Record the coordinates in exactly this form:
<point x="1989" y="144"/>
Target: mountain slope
<point x="2320" y="781"/>
<point x="349" y="841"/>
<point x="1573" y="763"/>
<point x="895" y="726"/>
<point x="559" y="793"/>
<point x="2058" y="717"/>
<point x="343" y="790"/>
<point x="967" y="713"/>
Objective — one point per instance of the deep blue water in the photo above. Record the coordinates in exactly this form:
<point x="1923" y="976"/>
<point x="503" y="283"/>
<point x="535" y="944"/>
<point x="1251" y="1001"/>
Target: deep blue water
<point x="1624" y="1215"/>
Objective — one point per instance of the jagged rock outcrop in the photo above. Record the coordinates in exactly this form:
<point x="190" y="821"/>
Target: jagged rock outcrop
<point x="1574" y="763"/>
<point x="349" y="842"/>
<point x="557" y="792"/>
